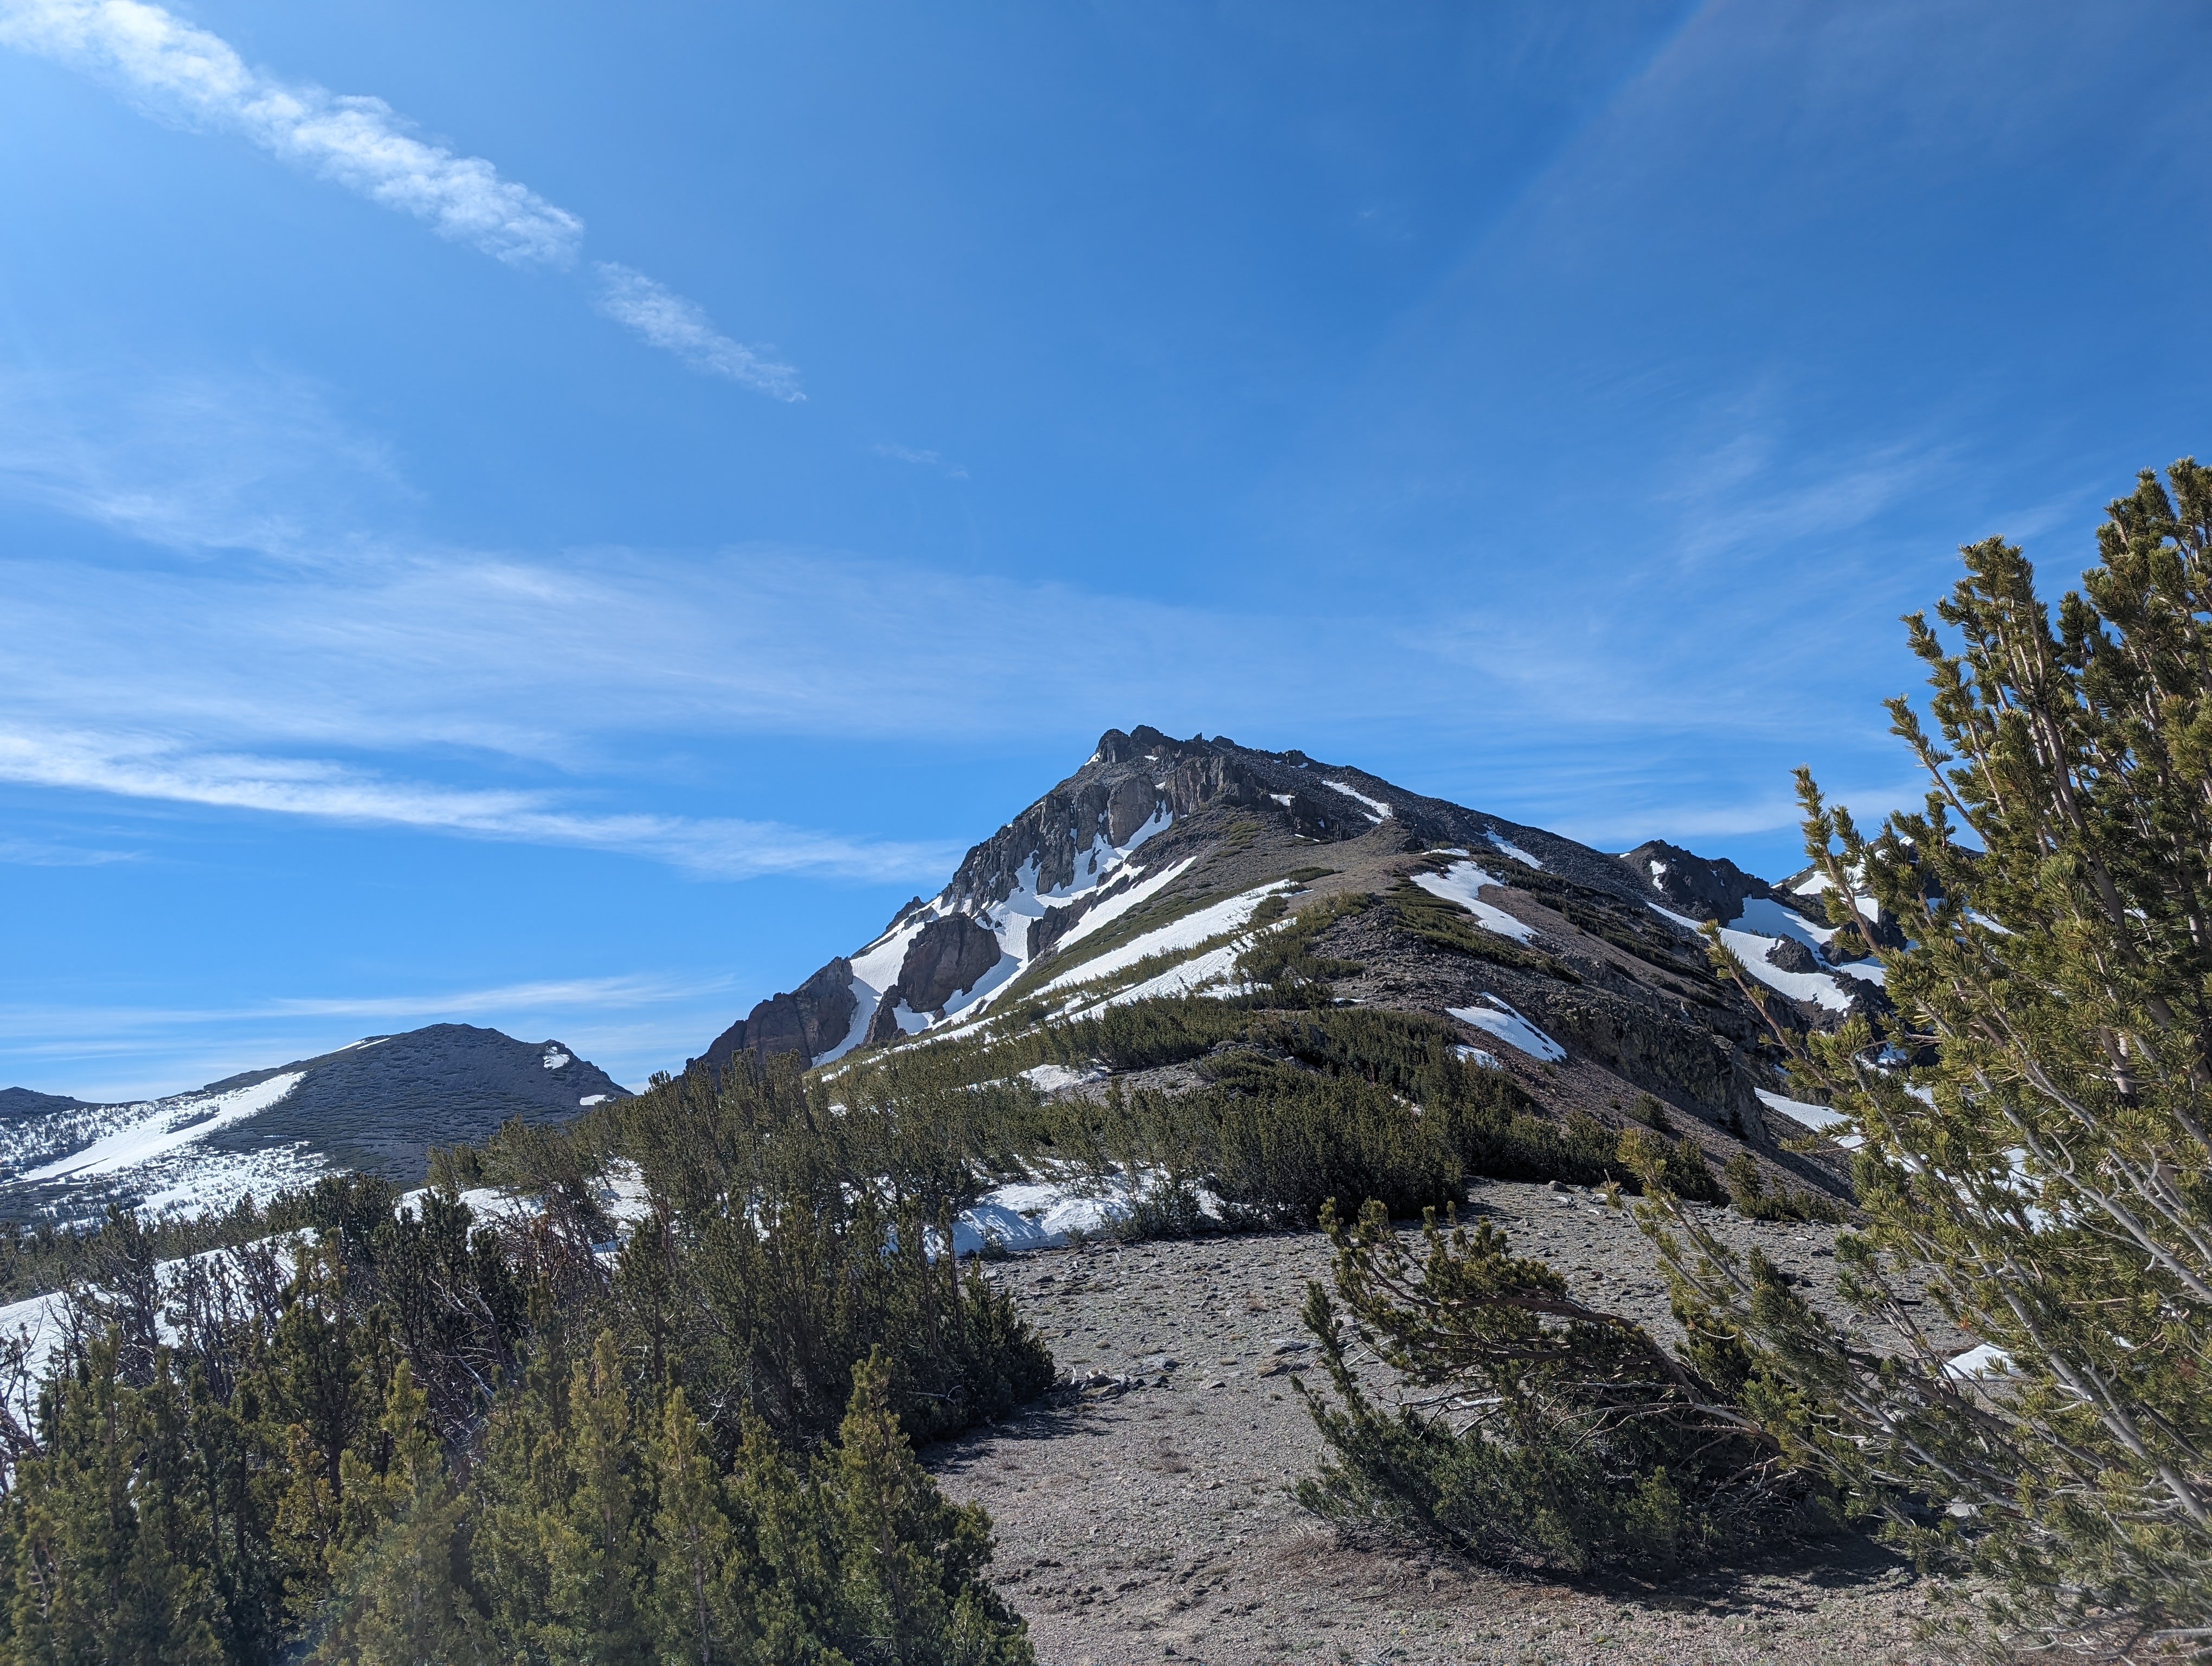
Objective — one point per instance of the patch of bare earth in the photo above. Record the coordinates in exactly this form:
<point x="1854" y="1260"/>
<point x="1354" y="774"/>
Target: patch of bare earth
<point x="1154" y="1522"/>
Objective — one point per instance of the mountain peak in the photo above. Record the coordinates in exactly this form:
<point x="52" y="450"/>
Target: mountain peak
<point x="1150" y="829"/>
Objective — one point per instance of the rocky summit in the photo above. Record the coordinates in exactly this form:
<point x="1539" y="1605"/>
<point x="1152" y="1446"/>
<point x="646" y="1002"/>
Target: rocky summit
<point x="1160" y="862"/>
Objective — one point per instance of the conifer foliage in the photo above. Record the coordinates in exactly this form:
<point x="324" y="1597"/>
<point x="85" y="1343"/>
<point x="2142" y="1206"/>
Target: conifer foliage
<point x="2037" y="1119"/>
<point x="438" y="1446"/>
<point x="1541" y="1429"/>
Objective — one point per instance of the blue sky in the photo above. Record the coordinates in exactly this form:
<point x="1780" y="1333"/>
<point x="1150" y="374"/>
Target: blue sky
<point x="563" y="517"/>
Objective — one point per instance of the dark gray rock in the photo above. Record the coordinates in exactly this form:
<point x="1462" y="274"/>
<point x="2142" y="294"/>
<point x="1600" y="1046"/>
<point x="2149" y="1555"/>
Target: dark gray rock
<point x="381" y="1108"/>
<point x="17" y="1104"/>
<point x="884" y="1026"/>
<point x="1703" y="887"/>
<point x="811" y="1019"/>
<point x="946" y="957"/>
<point x="1788" y="955"/>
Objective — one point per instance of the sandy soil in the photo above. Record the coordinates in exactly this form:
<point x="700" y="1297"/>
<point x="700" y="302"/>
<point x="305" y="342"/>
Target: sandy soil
<point x="1154" y="1522"/>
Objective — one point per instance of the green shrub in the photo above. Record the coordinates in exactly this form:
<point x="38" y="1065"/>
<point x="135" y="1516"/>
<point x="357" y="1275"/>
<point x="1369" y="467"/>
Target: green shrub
<point x="2036" y="1145"/>
<point x="1747" y="1189"/>
<point x="1565" y="1437"/>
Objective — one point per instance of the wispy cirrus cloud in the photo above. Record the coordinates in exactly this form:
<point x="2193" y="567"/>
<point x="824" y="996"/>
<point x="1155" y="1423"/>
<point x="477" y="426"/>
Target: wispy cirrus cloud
<point x="158" y="767"/>
<point x="193" y="463"/>
<point x="926" y="459"/>
<point x="591" y="994"/>
<point x="37" y="853"/>
<point x="681" y="327"/>
<point x="181" y="73"/>
<point x="185" y="74"/>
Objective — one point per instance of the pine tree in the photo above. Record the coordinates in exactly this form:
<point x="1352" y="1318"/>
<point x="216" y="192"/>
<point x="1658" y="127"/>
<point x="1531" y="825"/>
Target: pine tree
<point x="400" y="1598"/>
<point x="912" y="1563"/>
<point x="592" y="1539"/>
<point x="111" y="1551"/>
<point x="519" y="1481"/>
<point x="701" y="1607"/>
<point x="2037" y="1122"/>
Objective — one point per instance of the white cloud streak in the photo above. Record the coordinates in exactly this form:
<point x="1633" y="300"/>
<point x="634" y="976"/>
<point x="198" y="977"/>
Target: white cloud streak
<point x="188" y="74"/>
<point x="927" y="459"/>
<point x="181" y="73"/>
<point x="676" y="326"/>
<point x="721" y="849"/>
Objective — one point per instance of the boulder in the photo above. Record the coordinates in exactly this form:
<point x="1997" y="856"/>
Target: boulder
<point x="1788" y="955"/>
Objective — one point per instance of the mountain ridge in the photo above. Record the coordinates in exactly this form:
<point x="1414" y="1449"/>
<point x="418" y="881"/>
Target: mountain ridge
<point x="1581" y="972"/>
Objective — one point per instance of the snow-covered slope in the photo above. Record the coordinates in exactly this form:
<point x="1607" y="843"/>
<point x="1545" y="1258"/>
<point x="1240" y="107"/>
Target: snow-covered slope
<point x="377" y="1104"/>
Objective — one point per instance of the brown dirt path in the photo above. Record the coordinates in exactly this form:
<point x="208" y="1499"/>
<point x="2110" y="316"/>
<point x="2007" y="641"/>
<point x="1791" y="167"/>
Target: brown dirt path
<point x="1156" y="1523"/>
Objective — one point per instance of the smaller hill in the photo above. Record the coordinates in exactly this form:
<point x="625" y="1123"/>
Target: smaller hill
<point x="377" y="1104"/>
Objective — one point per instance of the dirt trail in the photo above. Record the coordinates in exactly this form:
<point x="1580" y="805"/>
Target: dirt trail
<point x="1155" y="1523"/>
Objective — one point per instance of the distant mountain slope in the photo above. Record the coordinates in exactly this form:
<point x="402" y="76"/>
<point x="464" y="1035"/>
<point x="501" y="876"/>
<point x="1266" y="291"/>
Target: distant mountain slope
<point x="1158" y="862"/>
<point x="377" y="1104"/>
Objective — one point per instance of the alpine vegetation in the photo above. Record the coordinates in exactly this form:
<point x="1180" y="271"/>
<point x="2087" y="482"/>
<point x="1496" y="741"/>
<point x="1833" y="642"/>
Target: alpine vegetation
<point x="2037" y="1112"/>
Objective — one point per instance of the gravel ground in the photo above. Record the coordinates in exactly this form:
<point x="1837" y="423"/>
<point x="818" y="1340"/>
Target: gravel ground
<point x="1155" y="1523"/>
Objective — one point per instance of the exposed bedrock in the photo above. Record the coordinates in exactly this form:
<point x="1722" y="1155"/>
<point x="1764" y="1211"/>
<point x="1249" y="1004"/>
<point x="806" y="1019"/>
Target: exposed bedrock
<point x="809" y="1020"/>
<point x="946" y="957"/>
<point x="1788" y="955"/>
<point x="1679" y="1060"/>
<point x="1703" y="887"/>
<point x="884" y="1025"/>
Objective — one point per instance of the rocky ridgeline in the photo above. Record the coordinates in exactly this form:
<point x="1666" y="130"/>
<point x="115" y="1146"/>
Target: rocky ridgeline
<point x="1590" y="947"/>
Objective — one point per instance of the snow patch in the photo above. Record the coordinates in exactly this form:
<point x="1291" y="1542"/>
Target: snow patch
<point x="1378" y="812"/>
<point x="1038" y="1214"/>
<point x="554" y="1060"/>
<point x="1051" y="1078"/>
<point x="1751" y="947"/>
<point x="594" y="1099"/>
<point x="170" y="1124"/>
<point x="1115" y="907"/>
<point x="1462" y="882"/>
<point x="1201" y="974"/>
<point x="1986" y="1360"/>
<point x="1230" y="914"/>
<point x="1819" y="883"/>
<point x="1510" y="848"/>
<point x="1819" y="1118"/>
<point x="1499" y="1019"/>
<point x="1475" y="1055"/>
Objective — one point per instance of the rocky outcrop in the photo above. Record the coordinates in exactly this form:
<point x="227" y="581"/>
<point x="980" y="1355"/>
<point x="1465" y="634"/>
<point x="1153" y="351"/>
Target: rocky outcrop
<point x="1682" y="1060"/>
<point x="1703" y="887"/>
<point x="810" y="1020"/>
<point x="885" y="1026"/>
<point x="947" y="956"/>
<point x="1788" y="955"/>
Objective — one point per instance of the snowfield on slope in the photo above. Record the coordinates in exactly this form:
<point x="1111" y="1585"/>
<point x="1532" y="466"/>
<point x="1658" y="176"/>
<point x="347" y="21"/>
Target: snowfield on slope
<point x="1751" y="948"/>
<point x="1216" y="920"/>
<point x="1463" y="883"/>
<point x="168" y="1124"/>
<point x="876" y="967"/>
<point x="1501" y="1020"/>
